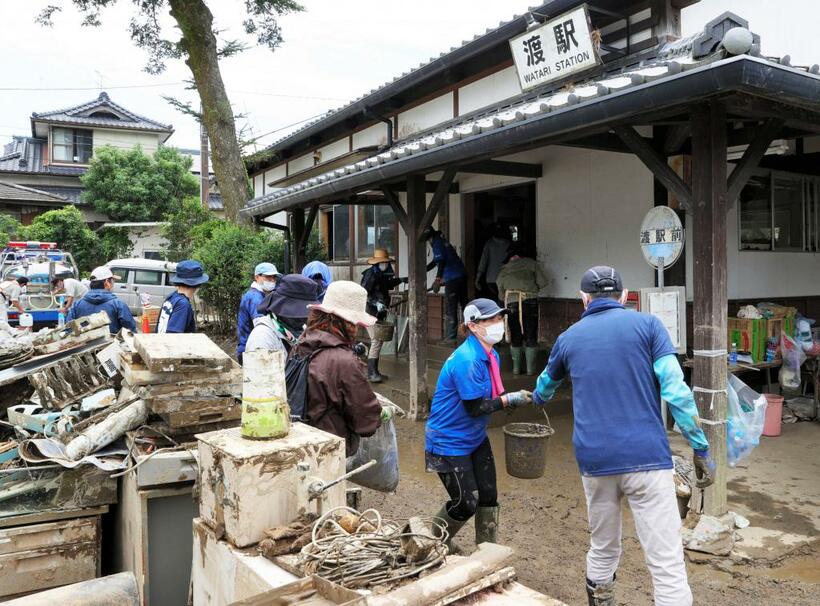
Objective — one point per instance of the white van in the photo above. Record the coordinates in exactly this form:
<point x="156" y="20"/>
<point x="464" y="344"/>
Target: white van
<point x="142" y="276"/>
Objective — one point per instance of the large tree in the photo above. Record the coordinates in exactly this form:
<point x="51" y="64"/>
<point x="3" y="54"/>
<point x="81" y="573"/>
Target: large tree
<point x="199" y="47"/>
<point x="129" y="185"/>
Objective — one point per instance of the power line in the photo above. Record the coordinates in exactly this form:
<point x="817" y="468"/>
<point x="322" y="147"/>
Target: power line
<point x="80" y="88"/>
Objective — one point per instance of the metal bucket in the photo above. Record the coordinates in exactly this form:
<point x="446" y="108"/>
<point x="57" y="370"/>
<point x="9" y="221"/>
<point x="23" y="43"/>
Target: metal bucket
<point x="525" y="448"/>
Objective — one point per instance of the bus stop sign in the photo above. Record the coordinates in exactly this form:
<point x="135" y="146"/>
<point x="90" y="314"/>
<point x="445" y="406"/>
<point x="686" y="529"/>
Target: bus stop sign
<point x="661" y="237"/>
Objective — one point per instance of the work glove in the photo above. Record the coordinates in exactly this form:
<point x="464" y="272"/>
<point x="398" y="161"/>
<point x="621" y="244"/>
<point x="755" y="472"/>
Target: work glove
<point x="537" y="399"/>
<point x="518" y="398"/>
<point x="386" y="414"/>
<point x="704" y="468"/>
<point x="437" y="285"/>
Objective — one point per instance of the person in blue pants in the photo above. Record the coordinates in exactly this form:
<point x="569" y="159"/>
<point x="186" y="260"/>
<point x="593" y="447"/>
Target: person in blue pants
<point x="264" y="281"/>
<point x="451" y="274"/>
<point x="177" y="313"/>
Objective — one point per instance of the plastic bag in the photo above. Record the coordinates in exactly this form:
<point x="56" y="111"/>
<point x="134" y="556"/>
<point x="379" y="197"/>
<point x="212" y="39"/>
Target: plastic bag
<point x="747" y="412"/>
<point x="793" y="358"/>
<point x="382" y="446"/>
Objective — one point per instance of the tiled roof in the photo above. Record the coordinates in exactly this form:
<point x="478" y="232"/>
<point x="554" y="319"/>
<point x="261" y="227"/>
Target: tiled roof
<point x="21" y="193"/>
<point x="25" y="155"/>
<point x="70" y="193"/>
<point x="680" y="56"/>
<point x="81" y="115"/>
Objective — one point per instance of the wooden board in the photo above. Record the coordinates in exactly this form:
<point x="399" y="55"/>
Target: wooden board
<point x="175" y="405"/>
<point x="139" y="374"/>
<point x="51" y="516"/>
<point x="212" y="413"/>
<point x="195" y="389"/>
<point x="180" y="352"/>
<point x="310" y="591"/>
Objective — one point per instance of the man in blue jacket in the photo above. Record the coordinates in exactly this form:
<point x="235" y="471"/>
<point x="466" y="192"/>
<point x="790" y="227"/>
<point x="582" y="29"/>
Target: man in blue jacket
<point x="264" y="281"/>
<point x="100" y="298"/>
<point x="177" y="314"/>
<point x="451" y="273"/>
<point x="621" y="363"/>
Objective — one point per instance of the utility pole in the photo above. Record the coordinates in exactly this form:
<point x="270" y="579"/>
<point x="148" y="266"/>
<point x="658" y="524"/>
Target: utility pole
<point x="204" y="181"/>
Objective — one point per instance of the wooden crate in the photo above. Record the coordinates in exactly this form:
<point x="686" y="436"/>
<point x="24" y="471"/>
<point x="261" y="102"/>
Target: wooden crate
<point x="180" y="352"/>
<point x="41" y="556"/>
<point x="204" y="413"/>
<point x="248" y="486"/>
<point x="138" y="374"/>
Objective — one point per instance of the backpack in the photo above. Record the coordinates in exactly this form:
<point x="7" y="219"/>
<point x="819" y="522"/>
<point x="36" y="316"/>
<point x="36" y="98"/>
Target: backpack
<point x="296" y="381"/>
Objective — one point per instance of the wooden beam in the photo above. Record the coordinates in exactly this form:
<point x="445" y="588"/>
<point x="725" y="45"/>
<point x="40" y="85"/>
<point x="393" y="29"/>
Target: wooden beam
<point x="297" y="222"/>
<point x="417" y="298"/>
<point x="655" y="163"/>
<point x="504" y="169"/>
<point x="752" y="156"/>
<point x="800" y="118"/>
<point x="441" y="193"/>
<point x="309" y="221"/>
<point x="429" y="187"/>
<point x="398" y="210"/>
<point x="710" y="307"/>
<point x="676" y="136"/>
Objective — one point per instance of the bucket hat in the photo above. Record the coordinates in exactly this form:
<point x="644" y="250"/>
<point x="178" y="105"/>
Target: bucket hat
<point x="348" y="301"/>
<point x="380" y="255"/>
<point x="291" y="298"/>
<point x="189" y="273"/>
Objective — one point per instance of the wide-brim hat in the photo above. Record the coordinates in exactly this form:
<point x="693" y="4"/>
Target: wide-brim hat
<point x="348" y="301"/>
<point x="291" y="297"/>
<point x="189" y="273"/>
<point x="380" y="255"/>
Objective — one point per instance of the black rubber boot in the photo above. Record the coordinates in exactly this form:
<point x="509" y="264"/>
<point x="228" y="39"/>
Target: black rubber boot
<point x="373" y="371"/>
<point x="453" y="526"/>
<point x="601" y="594"/>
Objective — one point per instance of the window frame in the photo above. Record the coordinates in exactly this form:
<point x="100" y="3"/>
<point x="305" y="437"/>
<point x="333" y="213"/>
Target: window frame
<point x="160" y="275"/>
<point x="75" y="146"/>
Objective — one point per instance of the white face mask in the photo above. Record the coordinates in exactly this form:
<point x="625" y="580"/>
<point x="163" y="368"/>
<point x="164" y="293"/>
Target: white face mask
<point x="383" y="266"/>
<point x="268" y="286"/>
<point x="493" y="333"/>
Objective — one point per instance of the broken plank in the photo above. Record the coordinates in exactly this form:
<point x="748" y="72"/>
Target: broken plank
<point x="505" y="575"/>
<point x="139" y="374"/>
<point x="172" y="405"/>
<point x="192" y="389"/>
<point x="218" y="413"/>
<point x="51" y="515"/>
<point x="180" y="352"/>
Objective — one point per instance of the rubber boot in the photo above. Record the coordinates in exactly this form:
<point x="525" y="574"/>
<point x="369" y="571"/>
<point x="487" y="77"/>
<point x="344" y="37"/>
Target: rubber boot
<point x="486" y="525"/>
<point x="453" y="526"/>
<point x="601" y="594"/>
<point x="515" y="354"/>
<point x="373" y="371"/>
<point x="532" y="355"/>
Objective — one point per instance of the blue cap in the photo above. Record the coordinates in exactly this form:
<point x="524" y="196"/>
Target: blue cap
<point x="482" y="309"/>
<point x="189" y="273"/>
<point x="265" y="269"/>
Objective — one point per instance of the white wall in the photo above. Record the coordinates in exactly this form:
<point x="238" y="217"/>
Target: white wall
<point x="495" y="87"/>
<point x="335" y="149"/>
<point x="272" y="175"/>
<point x="373" y="135"/>
<point x="301" y="163"/>
<point x="124" y="139"/>
<point x="426" y="115"/>
<point x="146" y="238"/>
<point x="258" y="185"/>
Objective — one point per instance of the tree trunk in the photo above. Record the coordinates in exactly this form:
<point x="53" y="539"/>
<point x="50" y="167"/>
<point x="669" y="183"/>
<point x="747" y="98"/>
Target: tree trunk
<point x="199" y="43"/>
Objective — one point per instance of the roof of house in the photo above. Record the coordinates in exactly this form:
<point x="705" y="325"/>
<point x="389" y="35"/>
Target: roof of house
<point x="101" y="112"/>
<point x="29" y="195"/>
<point x="689" y="67"/>
<point x="26" y="155"/>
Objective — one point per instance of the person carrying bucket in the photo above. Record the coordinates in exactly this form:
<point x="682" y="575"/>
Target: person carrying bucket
<point x="621" y="364"/>
<point x="469" y="390"/>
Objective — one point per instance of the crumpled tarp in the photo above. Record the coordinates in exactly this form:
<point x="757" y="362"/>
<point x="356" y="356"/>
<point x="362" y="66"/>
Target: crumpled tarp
<point x="39" y="450"/>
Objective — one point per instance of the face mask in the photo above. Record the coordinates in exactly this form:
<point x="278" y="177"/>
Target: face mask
<point x="268" y="286"/>
<point x="493" y="333"/>
<point x="383" y="266"/>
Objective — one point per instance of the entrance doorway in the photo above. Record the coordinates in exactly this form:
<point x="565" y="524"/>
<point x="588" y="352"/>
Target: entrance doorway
<point x="510" y="208"/>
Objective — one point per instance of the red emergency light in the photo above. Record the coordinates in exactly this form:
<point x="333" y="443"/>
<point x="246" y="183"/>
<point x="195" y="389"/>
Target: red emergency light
<point x="33" y="245"/>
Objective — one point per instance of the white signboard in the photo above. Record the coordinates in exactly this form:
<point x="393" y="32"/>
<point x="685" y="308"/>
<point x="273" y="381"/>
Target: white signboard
<point x="661" y="236"/>
<point x="558" y="48"/>
<point x="669" y="306"/>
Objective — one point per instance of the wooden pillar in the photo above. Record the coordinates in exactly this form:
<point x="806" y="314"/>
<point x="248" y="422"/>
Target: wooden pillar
<point x="297" y="230"/>
<point x="417" y="289"/>
<point x="709" y="197"/>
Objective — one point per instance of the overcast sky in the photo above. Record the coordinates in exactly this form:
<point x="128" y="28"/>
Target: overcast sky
<point x="333" y="52"/>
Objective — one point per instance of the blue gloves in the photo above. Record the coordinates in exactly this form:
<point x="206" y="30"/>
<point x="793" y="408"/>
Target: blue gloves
<point x="537" y="399"/>
<point x="704" y="468"/>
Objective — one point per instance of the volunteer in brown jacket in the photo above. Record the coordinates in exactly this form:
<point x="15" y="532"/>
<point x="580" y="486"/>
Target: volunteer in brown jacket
<point x="340" y="400"/>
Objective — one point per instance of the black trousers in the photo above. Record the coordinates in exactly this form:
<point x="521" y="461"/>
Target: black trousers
<point x="455" y="297"/>
<point x="529" y="336"/>
<point x="471" y="483"/>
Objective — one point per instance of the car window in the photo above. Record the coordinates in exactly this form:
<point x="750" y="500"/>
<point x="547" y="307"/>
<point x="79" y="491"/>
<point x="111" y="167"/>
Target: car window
<point x="121" y="273"/>
<point x="147" y="277"/>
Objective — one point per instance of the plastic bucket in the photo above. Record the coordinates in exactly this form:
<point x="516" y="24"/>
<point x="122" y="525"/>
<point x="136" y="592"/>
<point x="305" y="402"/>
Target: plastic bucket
<point x="774" y="412"/>
<point x="383" y="331"/>
<point x="525" y="449"/>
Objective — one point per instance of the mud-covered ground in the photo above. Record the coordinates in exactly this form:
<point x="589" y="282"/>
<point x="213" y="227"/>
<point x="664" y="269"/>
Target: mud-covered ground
<point x="545" y="521"/>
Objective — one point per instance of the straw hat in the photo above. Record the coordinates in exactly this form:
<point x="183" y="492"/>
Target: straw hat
<point x="348" y="301"/>
<point x="380" y="255"/>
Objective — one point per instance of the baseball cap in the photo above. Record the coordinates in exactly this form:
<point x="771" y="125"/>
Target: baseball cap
<point x="601" y="278"/>
<point x="102" y="273"/>
<point x="265" y="269"/>
<point x="482" y="309"/>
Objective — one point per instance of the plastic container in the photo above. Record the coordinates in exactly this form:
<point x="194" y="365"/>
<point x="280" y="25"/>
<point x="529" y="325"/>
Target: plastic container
<point x="265" y="410"/>
<point x="733" y="354"/>
<point x="525" y="449"/>
<point x="26" y="320"/>
<point x="774" y="412"/>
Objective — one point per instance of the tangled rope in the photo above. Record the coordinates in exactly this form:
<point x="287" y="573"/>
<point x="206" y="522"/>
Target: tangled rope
<point x="373" y="553"/>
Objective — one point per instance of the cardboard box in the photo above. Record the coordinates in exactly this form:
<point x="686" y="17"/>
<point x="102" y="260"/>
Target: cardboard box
<point x="248" y="486"/>
<point x="748" y="335"/>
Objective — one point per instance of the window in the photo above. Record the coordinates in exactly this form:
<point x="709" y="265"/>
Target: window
<point x="340" y="245"/>
<point x="779" y="212"/>
<point x="72" y="145"/>
<point x="121" y="273"/>
<point x="156" y="255"/>
<point x="376" y="229"/>
<point x="147" y="277"/>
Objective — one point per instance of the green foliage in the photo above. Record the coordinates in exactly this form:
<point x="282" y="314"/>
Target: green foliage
<point x="128" y="185"/>
<point x="9" y="229"/>
<point x="67" y="227"/>
<point x="115" y="243"/>
<point x="183" y="228"/>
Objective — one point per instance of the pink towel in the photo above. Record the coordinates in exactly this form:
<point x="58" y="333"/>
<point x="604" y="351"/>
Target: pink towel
<point x="495" y="375"/>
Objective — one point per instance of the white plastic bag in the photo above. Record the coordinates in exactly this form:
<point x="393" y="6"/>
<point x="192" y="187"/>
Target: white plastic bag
<point x="381" y="446"/>
<point x="793" y="358"/>
<point x="747" y="412"/>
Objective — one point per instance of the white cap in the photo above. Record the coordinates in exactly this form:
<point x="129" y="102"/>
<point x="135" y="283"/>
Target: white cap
<point x="102" y="273"/>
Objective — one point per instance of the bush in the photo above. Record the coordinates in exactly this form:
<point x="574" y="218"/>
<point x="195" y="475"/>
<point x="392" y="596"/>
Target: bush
<point x="115" y="243"/>
<point x="10" y="228"/>
<point x="184" y="228"/>
<point x="67" y="227"/>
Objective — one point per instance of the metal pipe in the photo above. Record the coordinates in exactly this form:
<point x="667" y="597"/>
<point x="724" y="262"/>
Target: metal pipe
<point x="389" y="123"/>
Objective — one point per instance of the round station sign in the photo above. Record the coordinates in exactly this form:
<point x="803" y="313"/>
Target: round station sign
<point x="661" y="237"/>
